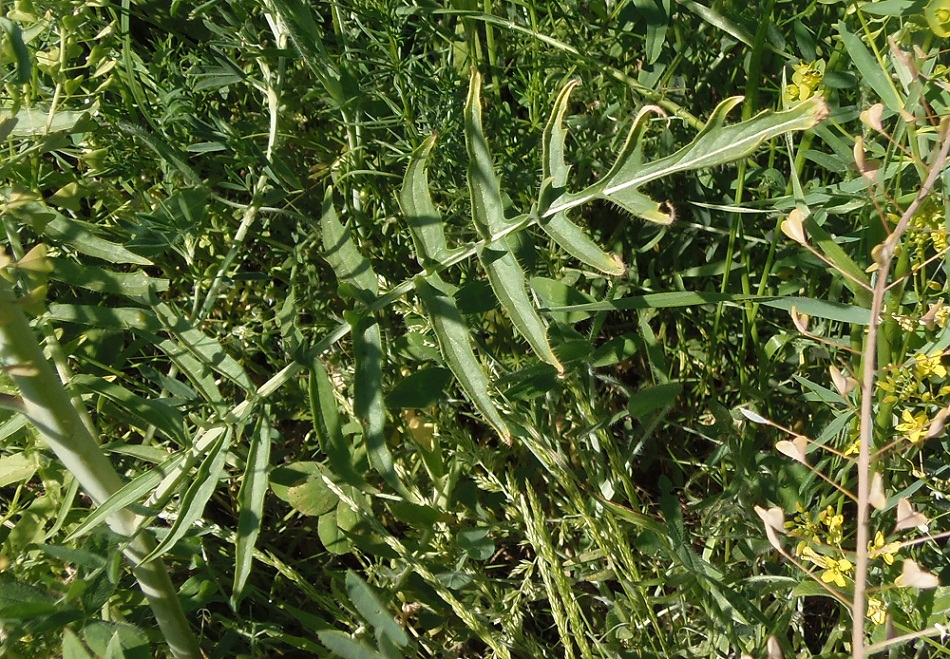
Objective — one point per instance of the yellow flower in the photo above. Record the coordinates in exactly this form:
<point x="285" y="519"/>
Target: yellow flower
<point x="853" y="448"/>
<point x="834" y="522"/>
<point x="885" y="551"/>
<point x="877" y="612"/>
<point x="805" y="81"/>
<point x="930" y="365"/>
<point x="914" y="426"/>
<point x="837" y="568"/>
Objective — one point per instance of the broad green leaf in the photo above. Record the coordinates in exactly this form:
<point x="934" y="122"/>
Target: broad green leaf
<point x="476" y="543"/>
<point x="425" y="222"/>
<point x="369" y="606"/>
<point x="344" y="646"/>
<point x="368" y="401"/>
<point x="555" y="170"/>
<point x="203" y="347"/>
<point x="419" y="390"/>
<point x="326" y="423"/>
<point x="251" y="505"/>
<point x="650" y="399"/>
<point x="130" y="284"/>
<point x="331" y="536"/>
<point x="16" y="468"/>
<point x="64" y="231"/>
<point x="307" y="36"/>
<point x="351" y="268"/>
<point x="553" y="293"/>
<point x="869" y="68"/>
<point x="72" y="647"/>
<point x="193" y="502"/>
<point x="456" y="346"/>
<point x="301" y="485"/>
<point x="716" y="144"/>
<point x="33" y="122"/>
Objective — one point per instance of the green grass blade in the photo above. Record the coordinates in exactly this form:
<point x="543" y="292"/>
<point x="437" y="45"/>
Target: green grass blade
<point x="368" y="400"/>
<point x="326" y="423"/>
<point x="354" y="272"/>
<point x="130" y="493"/>
<point x="425" y="222"/>
<point x="193" y="502"/>
<point x="128" y="284"/>
<point x="456" y="346"/>
<point x="251" y="504"/>
<point x="136" y="410"/>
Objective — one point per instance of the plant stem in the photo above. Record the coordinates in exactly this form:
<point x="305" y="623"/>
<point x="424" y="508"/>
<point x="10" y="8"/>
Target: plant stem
<point x="859" y="606"/>
<point x="50" y="409"/>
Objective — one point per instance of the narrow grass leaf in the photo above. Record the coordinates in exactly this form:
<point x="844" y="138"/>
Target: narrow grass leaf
<point x="368" y="400"/>
<point x="107" y="317"/>
<point x="855" y="279"/>
<point x="869" y="68"/>
<point x="425" y="222"/>
<point x="326" y="424"/>
<point x="194" y="369"/>
<point x="373" y="610"/>
<point x="251" y="505"/>
<point x="354" y="272"/>
<point x="130" y="493"/>
<point x="456" y="346"/>
<point x="193" y="502"/>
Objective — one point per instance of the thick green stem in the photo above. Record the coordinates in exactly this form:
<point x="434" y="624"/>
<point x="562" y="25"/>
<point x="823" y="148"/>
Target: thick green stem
<point x="49" y="408"/>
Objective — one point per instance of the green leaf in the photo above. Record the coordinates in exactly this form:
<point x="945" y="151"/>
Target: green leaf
<point x="205" y="348"/>
<point x="476" y="543"/>
<point x="555" y="171"/>
<point x="301" y="485"/>
<point x="251" y="506"/>
<point x="553" y="294"/>
<point x="32" y="122"/>
<point x="71" y="232"/>
<point x="326" y="423"/>
<point x="368" y="401"/>
<point x="16" y="468"/>
<point x="129" y="494"/>
<point x="204" y="483"/>
<point x="425" y="222"/>
<point x="650" y="399"/>
<point x="72" y="647"/>
<point x="345" y="647"/>
<point x="21" y="54"/>
<point x="130" y="284"/>
<point x="420" y="390"/>
<point x="497" y="257"/>
<point x="369" y="606"/>
<point x="456" y="346"/>
<point x="142" y="413"/>
<point x="869" y="68"/>
<point x="352" y="270"/>
<point x="716" y="144"/>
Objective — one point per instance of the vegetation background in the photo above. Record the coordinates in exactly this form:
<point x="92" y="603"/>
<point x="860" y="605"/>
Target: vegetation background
<point x="228" y="288"/>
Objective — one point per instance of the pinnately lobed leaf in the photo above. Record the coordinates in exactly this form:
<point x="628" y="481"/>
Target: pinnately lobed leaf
<point x="716" y="144"/>
<point x="572" y="238"/>
<point x="505" y="274"/>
